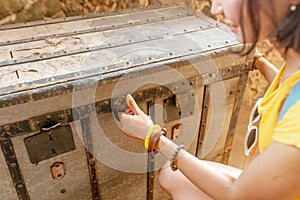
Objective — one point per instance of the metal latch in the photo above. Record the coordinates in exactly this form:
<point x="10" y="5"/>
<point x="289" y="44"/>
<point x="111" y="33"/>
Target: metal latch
<point x="49" y="142"/>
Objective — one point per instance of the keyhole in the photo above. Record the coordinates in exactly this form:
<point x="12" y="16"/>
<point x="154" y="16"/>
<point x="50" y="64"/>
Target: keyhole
<point x="50" y="136"/>
<point x="53" y="151"/>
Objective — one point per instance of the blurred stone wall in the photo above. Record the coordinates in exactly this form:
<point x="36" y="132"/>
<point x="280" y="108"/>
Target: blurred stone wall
<point x="16" y="11"/>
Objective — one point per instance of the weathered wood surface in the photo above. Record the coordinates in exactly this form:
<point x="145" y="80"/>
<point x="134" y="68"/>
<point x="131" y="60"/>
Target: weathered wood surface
<point x="176" y="63"/>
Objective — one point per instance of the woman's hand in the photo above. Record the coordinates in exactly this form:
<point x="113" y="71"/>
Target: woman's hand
<point x="134" y="122"/>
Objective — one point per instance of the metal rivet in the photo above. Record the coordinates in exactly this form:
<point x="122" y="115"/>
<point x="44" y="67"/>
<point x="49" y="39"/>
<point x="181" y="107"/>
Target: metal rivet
<point x="61" y="117"/>
<point x="36" y="123"/>
<point x="6" y="128"/>
<point x="13" y="165"/>
<point x="20" y="186"/>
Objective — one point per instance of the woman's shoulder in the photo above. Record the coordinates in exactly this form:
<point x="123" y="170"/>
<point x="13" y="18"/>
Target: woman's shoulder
<point x="287" y="130"/>
<point x="291" y="100"/>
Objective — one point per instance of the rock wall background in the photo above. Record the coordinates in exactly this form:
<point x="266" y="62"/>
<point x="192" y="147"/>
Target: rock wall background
<point x="15" y="11"/>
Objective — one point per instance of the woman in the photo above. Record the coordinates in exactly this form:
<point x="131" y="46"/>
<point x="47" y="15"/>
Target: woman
<point x="275" y="173"/>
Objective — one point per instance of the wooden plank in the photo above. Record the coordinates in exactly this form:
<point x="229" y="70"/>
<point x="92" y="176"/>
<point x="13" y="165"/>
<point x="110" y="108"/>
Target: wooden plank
<point x="218" y="120"/>
<point x="122" y="163"/>
<point x="101" y="22"/>
<point x="233" y="120"/>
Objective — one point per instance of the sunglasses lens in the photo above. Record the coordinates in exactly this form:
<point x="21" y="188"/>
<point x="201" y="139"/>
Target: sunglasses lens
<point x="256" y="114"/>
<point x="252" y="138"/>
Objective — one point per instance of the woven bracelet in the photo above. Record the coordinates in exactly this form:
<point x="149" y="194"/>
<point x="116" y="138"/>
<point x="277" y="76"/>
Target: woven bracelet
<point x="174" y="157"/>
<point x="154" y="138"/>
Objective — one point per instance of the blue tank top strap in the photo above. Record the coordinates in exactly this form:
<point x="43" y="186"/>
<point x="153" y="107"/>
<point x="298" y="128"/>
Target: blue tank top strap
<point x="292" y="98"/>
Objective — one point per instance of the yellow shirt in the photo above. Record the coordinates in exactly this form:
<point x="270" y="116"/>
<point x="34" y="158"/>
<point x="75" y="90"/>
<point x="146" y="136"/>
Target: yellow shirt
<point x="287" y="129"/>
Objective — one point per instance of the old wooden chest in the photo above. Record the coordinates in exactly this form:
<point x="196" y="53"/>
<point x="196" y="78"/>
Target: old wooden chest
<point x="63" y="81"/>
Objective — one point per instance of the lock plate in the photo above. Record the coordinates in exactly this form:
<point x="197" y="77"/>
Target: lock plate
<point x="48" y="144"/>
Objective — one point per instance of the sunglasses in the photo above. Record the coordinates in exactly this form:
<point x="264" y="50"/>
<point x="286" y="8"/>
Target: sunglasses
<point x="251" y="138"/>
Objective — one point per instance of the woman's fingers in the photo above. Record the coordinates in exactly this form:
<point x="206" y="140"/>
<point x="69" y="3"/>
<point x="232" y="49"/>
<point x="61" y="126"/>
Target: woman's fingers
<point x="132" y="105"/>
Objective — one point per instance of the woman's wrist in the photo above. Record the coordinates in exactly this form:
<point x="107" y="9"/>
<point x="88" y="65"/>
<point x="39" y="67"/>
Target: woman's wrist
<point x="150" y="134"/>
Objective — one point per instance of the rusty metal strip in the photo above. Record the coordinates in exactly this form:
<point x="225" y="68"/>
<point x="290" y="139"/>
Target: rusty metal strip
<point x="86" y="131"/>
<point x="150" y="177"/>
<point x="105" y="106"/>
<point x="14" y="168"/>
<point x="14" y="129"/>
<point x="203" y="120"/>
<point x="88" y="16"/>
<point x="234" y="117"/>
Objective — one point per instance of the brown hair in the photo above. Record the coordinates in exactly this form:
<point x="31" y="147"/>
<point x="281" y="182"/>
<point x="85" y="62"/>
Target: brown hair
<point x="287" y="34"/>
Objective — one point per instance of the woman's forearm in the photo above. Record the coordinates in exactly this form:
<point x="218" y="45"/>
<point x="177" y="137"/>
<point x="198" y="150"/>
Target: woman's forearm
<point x="211" y="181"/>
<point x="268" y="70"/>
